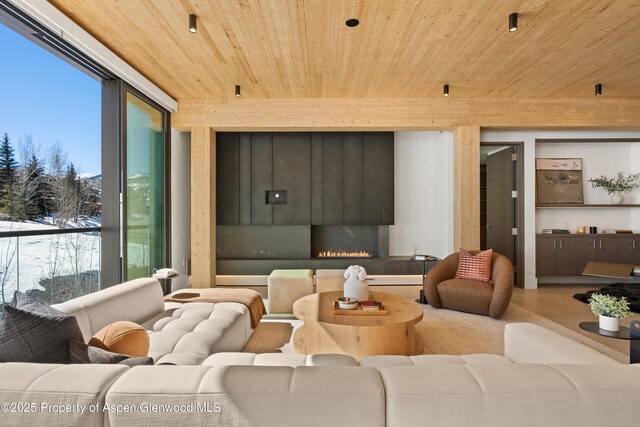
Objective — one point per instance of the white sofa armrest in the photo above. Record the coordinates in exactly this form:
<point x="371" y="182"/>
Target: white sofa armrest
<point x="530" y="343"/>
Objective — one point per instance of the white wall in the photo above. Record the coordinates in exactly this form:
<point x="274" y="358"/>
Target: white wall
<point x="180" y="205"/>
<point x="604" y="160"/>
<point x="634" y="156"/>
<point x="423" y="194"/>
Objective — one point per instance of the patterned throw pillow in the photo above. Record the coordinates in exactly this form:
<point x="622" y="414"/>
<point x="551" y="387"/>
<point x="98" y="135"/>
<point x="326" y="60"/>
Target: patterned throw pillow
<point x="474" y="267"/>
<point x="31" y="331"/>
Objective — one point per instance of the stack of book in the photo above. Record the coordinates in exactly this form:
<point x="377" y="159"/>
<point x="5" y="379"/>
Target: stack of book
<point x="616" y="231"/>
<point x="554" y="231"/>
<point x="372" y="305"/>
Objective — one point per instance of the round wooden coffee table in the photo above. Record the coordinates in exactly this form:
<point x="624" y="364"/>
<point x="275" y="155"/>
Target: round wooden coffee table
<point x="357" y="335"/>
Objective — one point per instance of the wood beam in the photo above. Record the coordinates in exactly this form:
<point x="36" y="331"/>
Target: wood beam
<point x="466" y="187"/>
<point x="391" y="114"/>
<point x="203" y="207"/>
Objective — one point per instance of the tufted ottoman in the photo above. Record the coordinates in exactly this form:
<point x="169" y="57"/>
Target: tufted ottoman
<point x="286" y="287"/>
<point x="179" y="334"/>
<point x="196" y="330"/>
<point x="328" y="280"/>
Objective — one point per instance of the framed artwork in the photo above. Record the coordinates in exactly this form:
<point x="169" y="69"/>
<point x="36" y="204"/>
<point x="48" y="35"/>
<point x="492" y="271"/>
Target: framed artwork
<point x="559" y="181"/>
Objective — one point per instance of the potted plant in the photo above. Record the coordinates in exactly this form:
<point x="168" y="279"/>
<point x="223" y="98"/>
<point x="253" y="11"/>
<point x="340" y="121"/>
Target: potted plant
<point x="617" y="186"/>
<point x="610" y="310"/>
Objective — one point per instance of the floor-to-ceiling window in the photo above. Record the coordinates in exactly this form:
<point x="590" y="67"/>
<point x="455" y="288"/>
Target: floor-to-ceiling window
<point x="50" y="173"/>
<point x="83" y="166"/>
<point x="145" y="188"/>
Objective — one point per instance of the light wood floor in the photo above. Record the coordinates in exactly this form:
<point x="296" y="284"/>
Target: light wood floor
<point x="451" y="332"/>
<point x="556" y="303"/>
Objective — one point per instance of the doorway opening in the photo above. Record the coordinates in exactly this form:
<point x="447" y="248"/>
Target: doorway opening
<point x="501" y="202"/>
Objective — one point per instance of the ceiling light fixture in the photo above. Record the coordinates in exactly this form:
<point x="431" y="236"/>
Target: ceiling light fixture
<point x="237" y="90"/>
<point x="353" y="22"/>
<point x="599" y="89"/>
<point x="513" y="22"/>
<point x="445" y="90"/>
<point x="193" y="23"/>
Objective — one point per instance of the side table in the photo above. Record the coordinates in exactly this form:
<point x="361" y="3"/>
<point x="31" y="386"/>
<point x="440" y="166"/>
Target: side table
<point x="165" y="282"/>
<point x="424" y="259"/>
<point x="632" y="334"/>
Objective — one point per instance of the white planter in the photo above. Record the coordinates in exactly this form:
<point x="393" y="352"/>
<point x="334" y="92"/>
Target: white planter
<point x="609" y="323"/>
<point x="354" y="288"/>
<point x="616" y="198"/>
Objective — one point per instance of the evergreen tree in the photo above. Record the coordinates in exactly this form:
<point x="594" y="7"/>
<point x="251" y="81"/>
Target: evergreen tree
<point x="71" y="176"/>
<point x="35" y="192"/>
<point x="8" y="162"/>
<point x="8" y="194"/>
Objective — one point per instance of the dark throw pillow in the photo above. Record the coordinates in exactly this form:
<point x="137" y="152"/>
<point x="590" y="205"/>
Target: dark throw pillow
<point x="83" y="353"/>
<point x="31" y="331"/>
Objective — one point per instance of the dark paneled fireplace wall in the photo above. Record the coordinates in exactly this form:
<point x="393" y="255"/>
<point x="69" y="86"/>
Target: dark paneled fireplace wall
<point x="339" y="196"/>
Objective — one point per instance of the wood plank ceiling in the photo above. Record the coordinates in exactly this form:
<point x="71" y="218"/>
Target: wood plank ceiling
<point x="401" y="49"/>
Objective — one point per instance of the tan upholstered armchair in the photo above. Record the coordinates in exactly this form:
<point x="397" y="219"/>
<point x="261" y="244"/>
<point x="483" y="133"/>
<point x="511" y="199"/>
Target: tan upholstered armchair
<point x="472" y="296"/>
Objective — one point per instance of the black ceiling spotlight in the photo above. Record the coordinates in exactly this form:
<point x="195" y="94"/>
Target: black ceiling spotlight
<point x="599" y="89"/>
<point x="193" y="23"/>
<point x="513" y="22"/>
<point x="237" y="90"/>
<point x="353" y="22"/>
<point x="445" y="90"/>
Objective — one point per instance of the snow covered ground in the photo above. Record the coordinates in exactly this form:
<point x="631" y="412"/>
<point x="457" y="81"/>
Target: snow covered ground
<point x="24" y="261"/>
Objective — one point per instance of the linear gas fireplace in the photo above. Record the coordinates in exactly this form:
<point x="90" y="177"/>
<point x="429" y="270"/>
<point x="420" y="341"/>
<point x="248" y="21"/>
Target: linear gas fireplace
<point x="344" y="254"/>
<point x="349" y="241"/>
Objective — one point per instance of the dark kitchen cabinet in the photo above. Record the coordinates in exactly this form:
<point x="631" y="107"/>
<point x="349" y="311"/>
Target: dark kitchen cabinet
<point x="555" y="256"/>
<point x="567" y="255"/>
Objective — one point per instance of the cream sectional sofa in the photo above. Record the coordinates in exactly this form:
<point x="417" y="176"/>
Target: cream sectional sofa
<point x="182" y="334"/>
<point x="538" y="382"/>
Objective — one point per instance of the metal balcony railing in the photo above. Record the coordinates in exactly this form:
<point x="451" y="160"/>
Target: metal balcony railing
<point x="50" y="265"/>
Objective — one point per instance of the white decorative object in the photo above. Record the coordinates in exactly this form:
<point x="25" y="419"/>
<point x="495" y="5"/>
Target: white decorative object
<point x="609" y="323"/>
<point x="346" y="303"/>
<point x="616" y="198"/>
<point x="356" y="285"/>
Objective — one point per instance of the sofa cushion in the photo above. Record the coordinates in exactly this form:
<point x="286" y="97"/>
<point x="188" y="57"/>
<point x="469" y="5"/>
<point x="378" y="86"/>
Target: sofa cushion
<point x="122" y="337"/>
<point x="474" y="267"/>
<point x="380" y="362"/>
<point x="252" y="396"/>
<point x="279" y="359"/>
<point x="136" y="300"/>
<point x="36" y="332"/>
<point x="511" y="394"/>
<point x="48" y="385"/>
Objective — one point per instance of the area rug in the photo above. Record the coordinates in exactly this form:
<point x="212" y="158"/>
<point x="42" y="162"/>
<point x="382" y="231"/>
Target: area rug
<point x="631" y="291"/>
<point x="442" y="331"/>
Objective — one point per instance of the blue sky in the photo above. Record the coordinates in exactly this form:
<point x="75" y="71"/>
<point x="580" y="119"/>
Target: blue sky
<point x="48" y="98"/>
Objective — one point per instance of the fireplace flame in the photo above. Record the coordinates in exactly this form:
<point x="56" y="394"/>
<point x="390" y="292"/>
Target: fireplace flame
<point x="343" y="254"/>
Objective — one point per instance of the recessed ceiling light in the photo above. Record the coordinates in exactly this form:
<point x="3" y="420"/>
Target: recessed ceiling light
<point x="513" y="22"/>
<point x="353" y="22"/>
<point x="445" y="90"/>
<point x="193" y="24"/>
<point x="237" y="90"/>
<point x="599" y="89"/>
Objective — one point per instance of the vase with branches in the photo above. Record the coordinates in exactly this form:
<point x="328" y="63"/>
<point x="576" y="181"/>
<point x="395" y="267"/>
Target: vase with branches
<point x="617" y="186"/>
